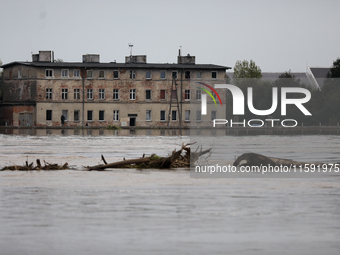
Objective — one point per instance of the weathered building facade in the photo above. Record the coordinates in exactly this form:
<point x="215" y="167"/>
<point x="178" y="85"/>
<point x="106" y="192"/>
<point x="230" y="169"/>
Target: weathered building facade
<point x="90" y="93"/>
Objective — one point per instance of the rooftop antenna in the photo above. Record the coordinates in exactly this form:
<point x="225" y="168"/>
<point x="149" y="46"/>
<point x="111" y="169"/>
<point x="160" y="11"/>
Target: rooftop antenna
<point x="130" y="45"/>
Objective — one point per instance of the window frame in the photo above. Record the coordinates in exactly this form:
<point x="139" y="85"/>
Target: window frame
<point x="176" y="74"/>
<point x="216" y="74"/>
<point x="149" y="98"/>
<point x="64" y="94"/>
<point x="63" y="72"/>
<point x="101" y="94"/>
<point x="213" y="112"/>
<point x="160" y="94"/>
<point x="160" y="117"/>
<point x="49" y="94"/>
<point x="101" y="115"/>
<point x="50" y="73"/>
<point x="89" y="92"/>
<point x="185" y="115"/>
<point x="49" y="113"/>
<point x="74" y="116"/>
<point x="76" y="94"/>
<point x="132" y="94"/>
<point x="99" y="74"/>
<point x="146" y="75"/>
<point x="87" y="74"/>
<point x="115" y="115"/>
<point x="87" y="115"/>
<point x="172" y="115"/>
<point x="132" y="74"/>
<point x="148" y="115"/>
<point x="75" y="74"/>
<point x="187" y="95"/>
<point x="199" y="75"/>
<point x="164" y="72"/>
<point x="198" y="95"/>
<point x="115" y="94"/>
<point x="116" y="78"/>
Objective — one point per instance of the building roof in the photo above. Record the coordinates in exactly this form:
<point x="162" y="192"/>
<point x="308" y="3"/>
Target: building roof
<point x="118" y="65"/>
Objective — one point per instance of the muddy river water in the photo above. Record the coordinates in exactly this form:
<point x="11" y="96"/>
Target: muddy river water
<point x="163" y="211"/>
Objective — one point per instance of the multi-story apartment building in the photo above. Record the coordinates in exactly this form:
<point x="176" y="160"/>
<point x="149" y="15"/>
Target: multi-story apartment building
<point x="90" y="93"/>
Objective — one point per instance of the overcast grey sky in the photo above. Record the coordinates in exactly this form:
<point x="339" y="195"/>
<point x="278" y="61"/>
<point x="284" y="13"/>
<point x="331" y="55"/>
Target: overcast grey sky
<point x="277" y="35"/>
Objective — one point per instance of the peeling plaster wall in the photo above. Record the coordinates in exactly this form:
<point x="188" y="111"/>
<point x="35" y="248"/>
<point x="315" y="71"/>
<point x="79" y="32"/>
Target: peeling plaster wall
<point x="32" y="85"/>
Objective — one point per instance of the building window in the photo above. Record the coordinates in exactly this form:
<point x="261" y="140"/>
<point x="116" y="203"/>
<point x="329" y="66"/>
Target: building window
<point x="198" y="75"/>
<point x="76" y="115"/>
<point x="213" y="115"/>
<point x="198" y="116"/>
<point x="187" y="94"/>
<point x="148" y="94"/>
<point x="198" y="94"/>
<point x="65" y="114"/>
<point x="173" y="115"/>
<point x="64" y="73"/>
<point x="101" y="94"/>
<point x="132" y="75"/>
<point x="214" y="95"/>
<point x="101" y="115"/>
<point x="89" y="74"/>
<point x="148" y="115"/>
<point x="76" y="94"/>
<point x="48" y="114"/>
<point x="116" y="115"/>
<point x="90" y="115"/>
<point x="163" y="75"/>
<point x="174" y="94"/>
<point x="19" y="74"/>
<point x="187" y="115"/>
<point x="101" y="74"/>
<point x="49" y="73"/>
<point x="76" y="73"/>
<point x="64" y="93"/>
<point x="214" y="75"/>
<point x="148" y="75"/>
<point x="162" y="116"/>
<point x="116" y="94"/>
<point x="48" y="93"/>
<point x="132" y="94"/>
<point x="115" y="74"/>
<point x="162" y="94"/>
<point x="187" y="74"/>
<point x="90" y="94"/>
<point x="174" y="75"/>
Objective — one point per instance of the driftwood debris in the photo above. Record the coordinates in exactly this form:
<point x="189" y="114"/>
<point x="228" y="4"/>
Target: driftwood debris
<point x="175" y="160"/>
<point x="254" y="159"/>
<point x="28" y="167"/>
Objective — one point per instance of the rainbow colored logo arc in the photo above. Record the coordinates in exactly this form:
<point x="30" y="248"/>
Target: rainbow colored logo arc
<point x="208" y="92"/>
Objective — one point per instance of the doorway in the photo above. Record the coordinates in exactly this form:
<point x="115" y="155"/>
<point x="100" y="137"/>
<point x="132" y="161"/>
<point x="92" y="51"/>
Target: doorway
<point x="132" y="122"/>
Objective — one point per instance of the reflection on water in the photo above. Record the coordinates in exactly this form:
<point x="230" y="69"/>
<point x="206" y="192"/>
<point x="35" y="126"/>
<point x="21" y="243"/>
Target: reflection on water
<point x="176" y="132"/>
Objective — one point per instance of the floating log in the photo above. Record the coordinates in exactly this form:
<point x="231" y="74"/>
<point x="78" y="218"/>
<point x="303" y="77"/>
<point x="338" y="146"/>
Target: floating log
<point x="30" y="167"/>
<point x="175" y="160"/>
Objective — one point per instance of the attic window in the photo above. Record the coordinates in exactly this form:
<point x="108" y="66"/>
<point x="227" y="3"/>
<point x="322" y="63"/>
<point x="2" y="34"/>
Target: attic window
<point x="132" y="75"/>
<point x="214" y="75"/>
<point x="49" y="73"/>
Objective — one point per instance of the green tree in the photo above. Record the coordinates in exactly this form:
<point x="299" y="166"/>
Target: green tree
<point x="245" y="69"/>
<point x="334" y="71"/>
